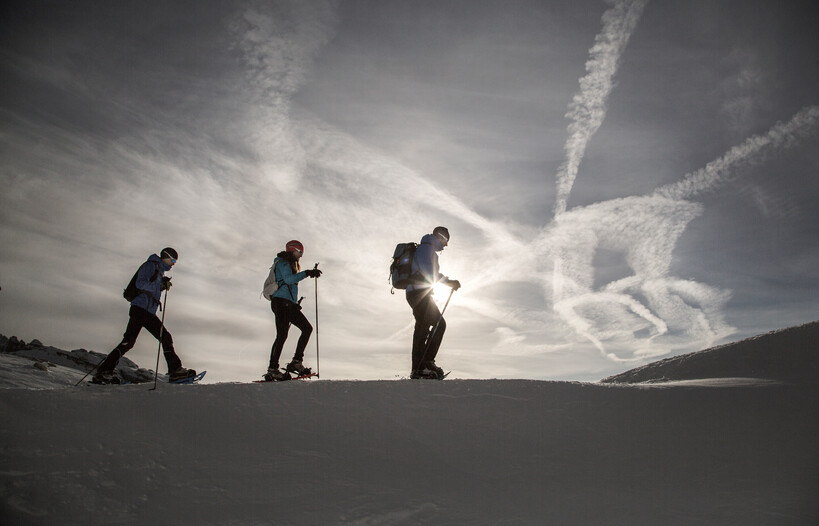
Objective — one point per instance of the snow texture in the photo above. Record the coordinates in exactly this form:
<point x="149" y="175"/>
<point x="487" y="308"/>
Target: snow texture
<point x="720" y="448"/>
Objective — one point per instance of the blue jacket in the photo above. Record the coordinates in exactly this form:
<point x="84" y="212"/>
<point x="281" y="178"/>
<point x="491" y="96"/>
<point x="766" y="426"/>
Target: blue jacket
<point x="150" y="291"/>
<point x="425" y="263"/>
<point x="288" y="280"/>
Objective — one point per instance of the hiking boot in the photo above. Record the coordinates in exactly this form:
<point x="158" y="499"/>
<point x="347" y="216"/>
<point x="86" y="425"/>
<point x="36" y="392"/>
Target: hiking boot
<point x="297" y="368"/>
<point x="105" y="377"/>
<point x="275" y="375"/>
<point x="432" y="367"/>
<point x="181" y="374"/>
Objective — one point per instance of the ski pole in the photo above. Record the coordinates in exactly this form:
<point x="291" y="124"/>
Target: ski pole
<point x="434" y="329"/>
<point x="159" y="347"/>
<point x="317" y="325"/>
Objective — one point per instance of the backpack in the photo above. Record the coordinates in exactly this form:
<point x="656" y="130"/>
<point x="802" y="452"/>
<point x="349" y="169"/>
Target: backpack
<point x="131" y="292"/>
<point x="401" y="275"/>
<point x="270" y="284"/>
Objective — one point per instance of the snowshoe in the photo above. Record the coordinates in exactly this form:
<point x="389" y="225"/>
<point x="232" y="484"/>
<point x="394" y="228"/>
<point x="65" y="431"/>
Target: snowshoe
<point x="426" y="374"/>
<point x="432" y="367"/>
<point x="276" y="375"/>
<point x="181" y="374"/>
<point x="189" y="379"/>
<point x="298" y="368"/>
<point x="105" y="378"/>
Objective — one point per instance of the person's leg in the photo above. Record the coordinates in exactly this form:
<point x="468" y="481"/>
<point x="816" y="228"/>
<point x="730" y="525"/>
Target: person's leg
<point x="298" y="319"/>
<point x="154" y="325"/>
<point x="135" y="324"/>
<point x="435" y="338"/>
<point x="280" y="310"/>
<point x="426" y="313"/>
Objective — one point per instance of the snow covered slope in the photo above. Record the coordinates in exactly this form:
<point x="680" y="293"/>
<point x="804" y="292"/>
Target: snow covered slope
<point x="787" y="355"/>
<point x="64" y="366"/>
<point x="467" y="452"/>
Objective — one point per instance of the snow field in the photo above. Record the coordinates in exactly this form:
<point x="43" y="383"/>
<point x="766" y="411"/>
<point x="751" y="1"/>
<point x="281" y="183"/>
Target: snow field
<point x="509" y="452"/>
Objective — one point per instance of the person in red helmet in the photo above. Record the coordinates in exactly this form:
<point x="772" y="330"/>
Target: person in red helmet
<point x="284" y="302"/>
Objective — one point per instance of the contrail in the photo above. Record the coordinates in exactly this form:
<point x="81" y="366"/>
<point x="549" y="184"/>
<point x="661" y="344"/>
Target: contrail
<point x="588" y="107"/>
<point x="754" y="150"/>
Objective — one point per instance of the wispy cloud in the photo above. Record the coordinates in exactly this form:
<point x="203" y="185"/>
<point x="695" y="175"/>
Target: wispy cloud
<point x="645" y="313"/>
<point x="649" y="313"/>
<point x="754" y="150"/>
<point x="588" y="108"/>
<point x="278" y="42"/>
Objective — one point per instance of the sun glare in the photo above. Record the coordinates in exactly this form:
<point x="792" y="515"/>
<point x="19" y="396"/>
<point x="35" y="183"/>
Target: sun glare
<point x="440" y="293"/>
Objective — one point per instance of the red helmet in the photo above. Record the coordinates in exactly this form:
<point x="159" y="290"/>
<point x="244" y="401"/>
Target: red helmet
<point x="294" y="245"/>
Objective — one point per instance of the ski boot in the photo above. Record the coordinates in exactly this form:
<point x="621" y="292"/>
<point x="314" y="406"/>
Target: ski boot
<point x="181" y="374"/>
<point x="275" y="375"/>
<point x="298" y="369"/>
<point x="105" y="377"/>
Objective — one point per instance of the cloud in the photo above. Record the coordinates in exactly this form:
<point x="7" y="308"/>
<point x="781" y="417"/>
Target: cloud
<point x="588" y="107"/>
<point x="648" y="313"/>
<point x="754" y="150"/>
<point x="278" y="42"/>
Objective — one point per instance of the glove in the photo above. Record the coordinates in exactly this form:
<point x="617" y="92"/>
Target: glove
<point x="454" y="284"/>
<point x="313" y="273"/>
<point x="166" y="283"/>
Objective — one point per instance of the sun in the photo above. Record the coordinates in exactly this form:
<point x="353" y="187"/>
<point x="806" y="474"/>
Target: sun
<point x="440" y="292"/>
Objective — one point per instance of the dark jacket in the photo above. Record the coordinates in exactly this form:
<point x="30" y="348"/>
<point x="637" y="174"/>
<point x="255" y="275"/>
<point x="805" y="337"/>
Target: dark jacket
<point x="150" y="292"/>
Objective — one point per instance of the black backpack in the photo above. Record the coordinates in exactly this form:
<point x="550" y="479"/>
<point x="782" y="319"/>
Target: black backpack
<point x="131" y="292"/>
<point x="401" y="275"/>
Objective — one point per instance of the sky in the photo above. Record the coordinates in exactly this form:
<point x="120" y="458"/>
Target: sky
<point x="623" y="181"/>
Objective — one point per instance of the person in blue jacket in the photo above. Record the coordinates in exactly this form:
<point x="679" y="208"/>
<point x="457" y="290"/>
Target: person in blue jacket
<point x="284" y="303"/>
<point x="426" y="313"/>
<point x="150" y="282"/>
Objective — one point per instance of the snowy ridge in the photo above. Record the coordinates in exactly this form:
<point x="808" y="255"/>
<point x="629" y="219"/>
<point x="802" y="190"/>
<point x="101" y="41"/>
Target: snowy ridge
<point x="460" y="452"/>
<point x="62" y="365"/>
<point x="786" y="355"/>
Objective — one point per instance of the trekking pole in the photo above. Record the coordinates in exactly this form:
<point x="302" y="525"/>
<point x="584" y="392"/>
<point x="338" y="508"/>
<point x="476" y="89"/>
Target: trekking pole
<point x="435" y="328"/>
<point x="161" y="330"/>
<point x="89" y="372"/>
<point x="317" y="325"/>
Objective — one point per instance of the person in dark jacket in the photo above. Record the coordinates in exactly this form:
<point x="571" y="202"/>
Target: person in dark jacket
<point x="284" y="303"/>
<point x="150" y="282"/>
<point x="425" y="343"/>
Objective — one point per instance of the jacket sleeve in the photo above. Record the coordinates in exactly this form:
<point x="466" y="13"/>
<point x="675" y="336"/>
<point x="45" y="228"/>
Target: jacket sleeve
<point x="286" y="274"/>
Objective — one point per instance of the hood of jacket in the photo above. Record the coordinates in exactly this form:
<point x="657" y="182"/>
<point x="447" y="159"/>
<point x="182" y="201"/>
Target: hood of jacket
<point x="433" y="240"/>
<point x="163" y="267"/>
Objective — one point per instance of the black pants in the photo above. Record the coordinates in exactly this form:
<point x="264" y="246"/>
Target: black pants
<point x="139" y="318"/>
<point x="288" y="313"/>
<point x="426" y="314"/>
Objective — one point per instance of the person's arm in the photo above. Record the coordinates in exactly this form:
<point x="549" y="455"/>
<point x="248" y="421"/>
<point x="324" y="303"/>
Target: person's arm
<point x="289" y="277"/>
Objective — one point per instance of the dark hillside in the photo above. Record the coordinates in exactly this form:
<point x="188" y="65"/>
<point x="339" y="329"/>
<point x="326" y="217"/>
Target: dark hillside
<point x="787" y="355"/>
